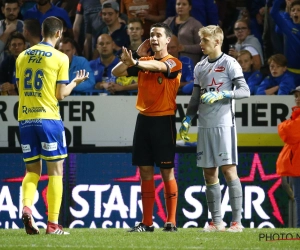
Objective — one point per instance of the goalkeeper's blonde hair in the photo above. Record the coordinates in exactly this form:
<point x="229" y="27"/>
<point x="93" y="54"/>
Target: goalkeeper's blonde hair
<point x="213" y="31"/>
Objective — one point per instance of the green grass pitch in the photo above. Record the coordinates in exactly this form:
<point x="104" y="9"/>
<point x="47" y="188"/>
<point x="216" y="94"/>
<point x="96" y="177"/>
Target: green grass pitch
<point x="187" y="238"/>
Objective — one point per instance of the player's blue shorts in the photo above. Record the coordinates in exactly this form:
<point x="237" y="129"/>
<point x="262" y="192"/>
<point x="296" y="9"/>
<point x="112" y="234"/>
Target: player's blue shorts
<point x="42" y="139"/>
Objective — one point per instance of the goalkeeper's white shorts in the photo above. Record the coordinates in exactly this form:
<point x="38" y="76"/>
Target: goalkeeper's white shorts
<point x="217" y="147"/>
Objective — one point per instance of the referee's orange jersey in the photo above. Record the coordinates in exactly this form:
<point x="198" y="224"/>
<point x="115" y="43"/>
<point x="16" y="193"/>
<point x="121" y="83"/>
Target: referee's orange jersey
<point x="157" y="90"/>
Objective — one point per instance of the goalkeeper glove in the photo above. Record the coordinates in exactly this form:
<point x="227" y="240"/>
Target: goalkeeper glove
<point x="214" y="96"/>
<point x="184" y="129"/>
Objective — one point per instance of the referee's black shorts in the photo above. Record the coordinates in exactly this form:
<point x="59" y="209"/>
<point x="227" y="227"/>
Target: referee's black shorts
<point x="154" y="141"/>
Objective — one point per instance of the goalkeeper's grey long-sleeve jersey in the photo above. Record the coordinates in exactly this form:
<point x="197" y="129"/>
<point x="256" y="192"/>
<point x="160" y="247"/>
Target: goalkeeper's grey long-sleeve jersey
<point x="224" y="73"/>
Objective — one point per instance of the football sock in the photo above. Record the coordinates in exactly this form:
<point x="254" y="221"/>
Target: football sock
<point x="213" y="197"/>
<point x="171" y="197"/>
<point x="54" y="197"/>
<point x="148" y="198"/>
<point x="236" y="199"/>
<point x="29" y="186"/>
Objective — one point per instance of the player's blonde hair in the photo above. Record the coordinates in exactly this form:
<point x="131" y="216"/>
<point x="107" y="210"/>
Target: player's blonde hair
<point x="213" y="31"/>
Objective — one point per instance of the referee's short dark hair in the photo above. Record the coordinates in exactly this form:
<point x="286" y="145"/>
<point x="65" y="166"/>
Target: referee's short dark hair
<point x="168" y="30"/>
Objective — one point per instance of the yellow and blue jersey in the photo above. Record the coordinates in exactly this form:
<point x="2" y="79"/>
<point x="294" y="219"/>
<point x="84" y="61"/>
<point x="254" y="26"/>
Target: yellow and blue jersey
<point x="38" y="70"/>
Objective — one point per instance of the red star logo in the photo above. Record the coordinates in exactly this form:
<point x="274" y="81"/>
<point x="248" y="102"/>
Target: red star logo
<point x="217" y="85"/>
<point x="256" y="165"/>
<point x="43" y="177"/>
<point x="136" y="178"/>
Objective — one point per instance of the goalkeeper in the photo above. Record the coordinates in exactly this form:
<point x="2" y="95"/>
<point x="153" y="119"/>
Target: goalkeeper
<point x="218" y="81"/>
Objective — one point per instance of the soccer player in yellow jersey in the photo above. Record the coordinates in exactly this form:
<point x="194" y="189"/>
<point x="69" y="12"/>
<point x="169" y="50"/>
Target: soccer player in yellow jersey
<point x="42" y="79"/>
<point x="154" y="139"/>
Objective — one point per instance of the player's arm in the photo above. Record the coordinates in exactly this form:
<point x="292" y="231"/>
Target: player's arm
<point x="196" y="94"/>
<point x="190" y="113"/>
<point x="63" y="90"/>
<point x="120" y="70"/>
<point x="242" y="89"/>
<point x="124" y="67"/>
<point x="150" y="65"/>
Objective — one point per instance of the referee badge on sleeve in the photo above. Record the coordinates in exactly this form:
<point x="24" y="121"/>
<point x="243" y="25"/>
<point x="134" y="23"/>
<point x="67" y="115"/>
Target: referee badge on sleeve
<point x="171" y="63"/>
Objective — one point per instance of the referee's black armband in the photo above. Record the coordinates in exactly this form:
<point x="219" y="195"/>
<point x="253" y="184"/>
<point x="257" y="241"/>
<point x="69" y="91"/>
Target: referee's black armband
<point x="133" y="71"/>
<point x="135" y="55"/>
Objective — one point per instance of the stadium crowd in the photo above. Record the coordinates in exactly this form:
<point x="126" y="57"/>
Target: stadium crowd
<point x="262" y="35"/>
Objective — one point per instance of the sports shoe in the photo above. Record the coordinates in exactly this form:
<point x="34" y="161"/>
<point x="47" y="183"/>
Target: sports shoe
<point x="140" y="227"/>
<point x="28" y="221"/>
<point x="53" y="228"/>
<point x="169" y="227"/>
<point x="212" y="227"/>
<point x="235" y="227"/>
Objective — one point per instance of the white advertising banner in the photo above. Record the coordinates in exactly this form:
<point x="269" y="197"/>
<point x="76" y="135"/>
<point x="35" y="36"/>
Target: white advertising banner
<point x="105" y="121"/>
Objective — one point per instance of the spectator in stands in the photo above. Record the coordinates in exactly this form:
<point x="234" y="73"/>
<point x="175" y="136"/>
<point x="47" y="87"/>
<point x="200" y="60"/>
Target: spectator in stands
<point x="87" y="16"/>
<point x="44" y="9"/>
<point x="94" y="23"/>
<point x="66" y="32"/>
<point x="111" y="25"/>
<point x="32" y="31"/>
<point x="26" y="5"/>
<point x="290" y="28"/>
<point x="149" y="11"/>
<point x="124" y="85"/>
<point x="246" y="41"/>
<point x="221" y="9"/>
<point x="232" y="14"/>
<point x="16" y="45"/>
<point x="206" y="12"/>
<point x="135" y="32"/>
<point x="186" y="28"/>
<point x="187" y="77"/>
<point x="103" y="65"/>
<point x="9" y="24"/>
<point x="68" y="5"/>
<point x="67" y="46"/>
<point x="253" y="78"/>
<point x="256" y="17"/>
<point x="280" y="81"/>
<point x="273" y="42"/>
